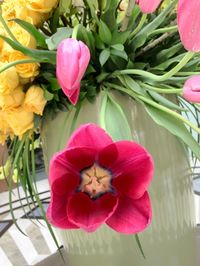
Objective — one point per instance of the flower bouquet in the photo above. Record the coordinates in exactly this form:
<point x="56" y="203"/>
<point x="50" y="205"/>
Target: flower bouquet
<point x="110" y="89"/>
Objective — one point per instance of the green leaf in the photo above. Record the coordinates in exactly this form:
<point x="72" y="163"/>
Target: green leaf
<point x="169" y="62"/>
<point x="119" y="53"/>
<point x="119" y="37"/>
<point x="105" y="33"/>
<point x="48" y="96"/>
<point x="128" y="82"/>
<point x="109" y="15"/>
<point x="103" y="57"/>
<point x="40" y="55"/>
<point x="142" y="36"/>
<point x="160" y="99"/>
<point x="113" y="119"/>
<point x="39" y="37"/>
<point x="165" y="54"/>
<point x="119" y="47"/>
<point x="56" y="38"/>
<point x="174" y="126"/>
<point x="54" y="20"/>
<point x="93" y="6"/>
<point x="98" y="42"/>
<point x="64" y="6"/>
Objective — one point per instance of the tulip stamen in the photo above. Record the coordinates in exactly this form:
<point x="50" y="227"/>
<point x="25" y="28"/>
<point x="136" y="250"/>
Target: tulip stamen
<point x="96" y="181"/>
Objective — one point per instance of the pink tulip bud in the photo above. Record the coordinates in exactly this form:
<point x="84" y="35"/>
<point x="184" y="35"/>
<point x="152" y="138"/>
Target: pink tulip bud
<point x="189" y="24"/>
<point x="148" y="6"/>
<point x="191" y="89"/>
<point x="72" y="60"/>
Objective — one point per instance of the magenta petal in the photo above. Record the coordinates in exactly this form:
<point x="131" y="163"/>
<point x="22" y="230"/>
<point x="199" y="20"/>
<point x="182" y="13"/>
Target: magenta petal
<point x="133" y="169"/>
<point x="83" y="62"/>
<point x="189" y="24"/>
<point x="74" y="97"/>
<point x="80" y="158"/>
<point x="62" y="177"/>
<point x="108" y="155"/>
<point x="89" y="135"/>
<point x="131" y="216"/>
<point x="148" y="6"/>
<point x="88" y="213"/>
<point x="67" y="68"/>
<point x="191" y="89"/>
<point x="57" y="213"/>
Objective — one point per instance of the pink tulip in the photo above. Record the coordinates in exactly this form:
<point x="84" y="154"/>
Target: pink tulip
<point x="191" y="89"/>
<point x="95" y="180"/>
<point x="189" y="24"/>
<point x="72" y="60"/>
<point x="148" y="6"/>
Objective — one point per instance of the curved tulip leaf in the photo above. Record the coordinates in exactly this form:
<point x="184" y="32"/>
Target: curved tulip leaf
<point x="174" y="126"/>
<point x="39" y="37"/>
<point x="113" y="119"/>
<point x="40" y="55"/>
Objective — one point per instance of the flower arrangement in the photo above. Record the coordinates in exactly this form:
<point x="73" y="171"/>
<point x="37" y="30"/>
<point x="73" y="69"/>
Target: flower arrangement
<point x="55" y="55"/>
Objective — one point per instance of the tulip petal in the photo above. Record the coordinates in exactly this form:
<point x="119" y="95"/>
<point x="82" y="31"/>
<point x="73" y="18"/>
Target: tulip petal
<point x="131" y="216"/>
<point x="189" y="24"/>
<point x="132" y="171"/>
<point x="91" y="136"/>
<point x="67" y="69"/>
<point x="74" y="97"/>
<point x="108" y="155"/>
<point x="83" y="62"/>
<point x="80" y="157"/>
<point x="57" y="213"/>
<point x="191" y="89"/>
<point x="148" y="6"/>
<point x="88" y="213"/>
<point x="62" y="177"/>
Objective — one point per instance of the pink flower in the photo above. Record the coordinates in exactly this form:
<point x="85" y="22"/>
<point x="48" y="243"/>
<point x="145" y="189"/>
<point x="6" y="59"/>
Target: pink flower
<point x="95" y="180"/>
<point x="189" y="24"/>
<point x="148" y="6"/>
<point x="191" y="89"/>
<point x="72" y="60"/>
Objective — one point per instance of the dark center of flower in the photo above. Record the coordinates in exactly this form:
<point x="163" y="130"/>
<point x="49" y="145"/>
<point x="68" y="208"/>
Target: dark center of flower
<point x="95" y="181"/>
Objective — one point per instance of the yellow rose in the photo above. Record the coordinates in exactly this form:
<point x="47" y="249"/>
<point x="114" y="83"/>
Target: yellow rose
<point x="34" y="100"/>
<point x="5" y="129"/>
<point x="8" y="9"/>
<point x="3" y="138"/>
<point x="36" y="17"/>
<point x="19" y="120"/>
<point x="42" y="6"/>
<point x="29" y="70"/>
<point x="13" y="100"/>
<point x="22" y="36"/>
<point x="12" y="9"/>
<point x="9" y="80"/>
<point x="2" y="32"/>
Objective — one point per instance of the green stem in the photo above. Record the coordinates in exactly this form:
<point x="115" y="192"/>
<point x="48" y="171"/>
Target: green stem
<point x="156" y="105"/>
<point x="188" y="73"/>
<point x="166" y="91"/>
<point x="152" y="76"/>
<point x="18" y="62"/>
<point x="163" y="30"/>
<point x="139" y="26"/>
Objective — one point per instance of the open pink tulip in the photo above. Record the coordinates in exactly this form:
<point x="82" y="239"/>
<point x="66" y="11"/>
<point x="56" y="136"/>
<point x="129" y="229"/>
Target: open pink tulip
<point x="72" y="60"/>
<point x="189" y="24"/>
<point x="191" y="89"/>
<point x="95" y="180"/>
<point x="148" y="6"/>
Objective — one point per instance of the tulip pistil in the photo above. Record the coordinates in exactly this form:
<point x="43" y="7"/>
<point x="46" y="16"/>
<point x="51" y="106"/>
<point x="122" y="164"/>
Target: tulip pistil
<point x="96" y="180"/>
